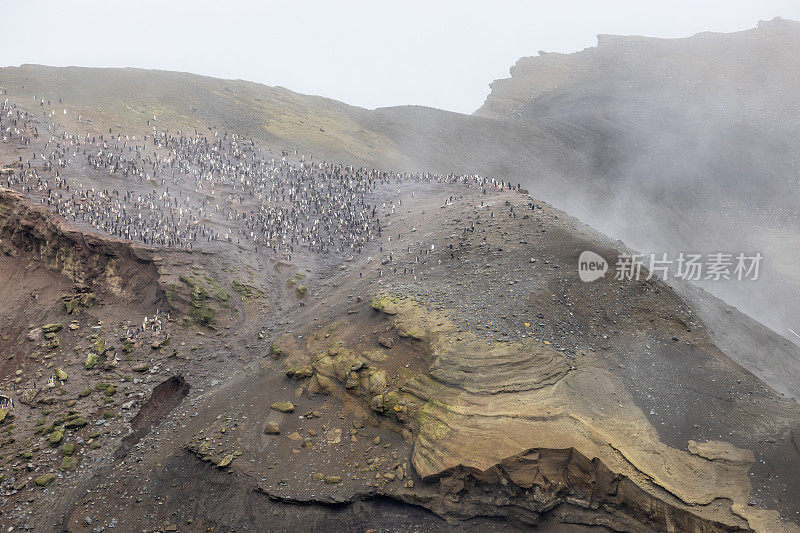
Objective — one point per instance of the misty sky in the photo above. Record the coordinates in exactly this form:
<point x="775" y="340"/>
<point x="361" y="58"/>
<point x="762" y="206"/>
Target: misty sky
<point x="368" y="53"/>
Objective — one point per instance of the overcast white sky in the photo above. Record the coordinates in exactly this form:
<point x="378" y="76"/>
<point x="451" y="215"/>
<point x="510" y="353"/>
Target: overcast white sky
<point x="369" y="53"/>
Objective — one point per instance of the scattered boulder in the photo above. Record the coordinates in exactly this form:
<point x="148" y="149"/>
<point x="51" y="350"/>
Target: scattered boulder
<point x="56" y="436"/>
<point x="99" y="346"/>
<point x="52" y="344"/>
<point x="91" y="360"/>
<point x="353" y="381"/>
<point x="324" y="382"/>
<point x="376" y="356"/>
<point x="75" y="423"/>
<point x="299" y="371"/>
<point x="385" y="304"/>
<point x="127" y="346"/>
<point x="228" y="459"/>
<point x="60" y="375"/>
<point x="51" y="328"/>
<point x="283" y="407"/>
<point x="377" y="382"/>
<point x="28" y="395"/>
<point x="68" y="464"/>
<point x="73" y="302"/>
<point x="272" y="428"/>
<point x="44" y="480"/>
<point x="377" y="404"/>
<point x="384" y="342"/>
<point x="334" y="436"/>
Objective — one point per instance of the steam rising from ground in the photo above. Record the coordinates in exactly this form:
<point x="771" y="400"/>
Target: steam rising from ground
<point x="683" y="146"/>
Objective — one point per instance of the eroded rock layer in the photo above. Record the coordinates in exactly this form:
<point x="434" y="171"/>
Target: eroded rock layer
<point x="114" y="266"/>
<point x="519" y="429"/>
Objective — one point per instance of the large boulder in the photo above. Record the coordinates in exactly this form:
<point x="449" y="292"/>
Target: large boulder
<point x="35" y="335"/>
<point x="51" y="328"/>
<point x="283" y="407"/>
<point x="68" y="463"/>
<point x="44" y="480"/>
<point x="91" y="360"/>
<point x="28" y="395"/>
<point x="56" y="436"/>
<point x="75" y="423"/>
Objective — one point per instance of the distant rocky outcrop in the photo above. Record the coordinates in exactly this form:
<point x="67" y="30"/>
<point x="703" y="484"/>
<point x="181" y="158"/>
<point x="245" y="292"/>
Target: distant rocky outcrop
<point x="740" y="72"/>
<point x="676" y="145"/>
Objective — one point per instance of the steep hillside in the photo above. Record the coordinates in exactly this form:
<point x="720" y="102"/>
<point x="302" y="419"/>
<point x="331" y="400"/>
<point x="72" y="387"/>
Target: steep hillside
<point x="688" y="144"/>
<point x="745" y="72"/>
<point x="126" y="99"/>
<point x="202" y="336"/>
<point x="670" y="145"/>
<point x="409" y="138"/>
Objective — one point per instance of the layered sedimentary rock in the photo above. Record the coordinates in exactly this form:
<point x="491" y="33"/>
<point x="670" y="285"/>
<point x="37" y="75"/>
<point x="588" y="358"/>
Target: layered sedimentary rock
<point x="519" y="429"/>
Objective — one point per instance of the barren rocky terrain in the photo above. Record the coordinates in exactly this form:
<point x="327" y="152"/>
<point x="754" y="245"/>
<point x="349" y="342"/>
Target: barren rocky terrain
<point x="453" y="374"/>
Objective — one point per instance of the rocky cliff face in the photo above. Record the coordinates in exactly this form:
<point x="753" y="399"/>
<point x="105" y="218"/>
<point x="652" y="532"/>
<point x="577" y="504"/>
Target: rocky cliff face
<point x="520" y="430"/>
<point x="741" y="72"/>
<point x="101" y="264"/>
